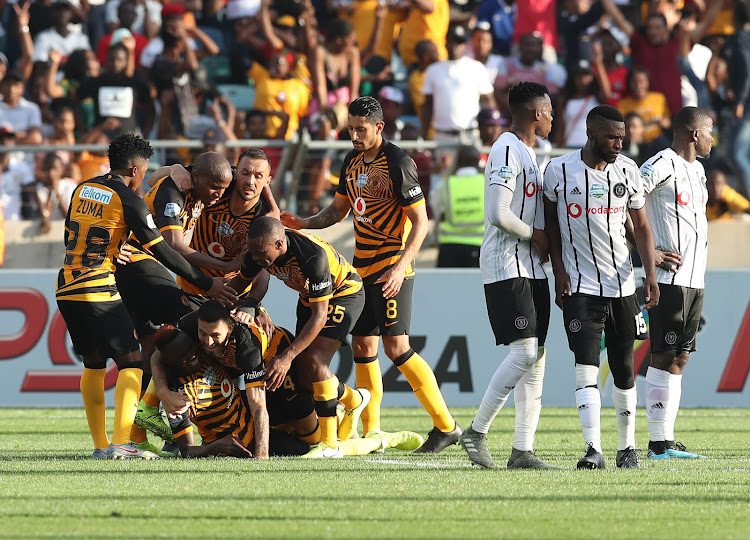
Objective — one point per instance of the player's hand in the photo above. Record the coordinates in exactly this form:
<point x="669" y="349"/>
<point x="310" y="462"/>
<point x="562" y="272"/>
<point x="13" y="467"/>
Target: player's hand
<point x="392" y="281"/>
<point x="235" y="264"/>
<point x="174" y="403"/>
<point x="651" y="291"/>
<point x="223" y="293"/>
<point x="292" y="221"/>
<point x="276" y="370"/>
<point x="125" y="254"/>
<point x="562" y="287"/>
<point x="232" y="447"/>
<point x="181" y="178"/>
<point x="541" y="243"/>
<point x="667" y="260"/>
<point x="263" y="319"/>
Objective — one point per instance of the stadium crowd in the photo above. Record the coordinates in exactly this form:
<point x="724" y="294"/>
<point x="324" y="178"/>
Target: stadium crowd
<point x="474" y="76"/>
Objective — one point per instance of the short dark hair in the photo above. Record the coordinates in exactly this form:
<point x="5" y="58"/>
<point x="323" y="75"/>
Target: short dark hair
<point x="367" y="107"/>
<point x="165" y="335"/>
<point x="127" y="148"/>
<point x="635" y="70"/>
<point x="119" y="46"/>
<point x="690" y="118"/>
<point x="339" y="28"/>
<point x="524" y="95"/>
<point x="254" y="153"/>
<point x="264" y="227"/>
<point x="213" y="311"/>
<point x="12" y="78"/>
<point x="659" y="16"/>
<point x="604" y="112"/>
<point x="50" y="160"/>
<point x="421" y="47"/>
<point x="631" y="115"/>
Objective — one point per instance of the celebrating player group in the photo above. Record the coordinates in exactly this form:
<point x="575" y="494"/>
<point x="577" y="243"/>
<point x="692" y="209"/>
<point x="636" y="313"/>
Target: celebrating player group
<point x="203" y="347"/>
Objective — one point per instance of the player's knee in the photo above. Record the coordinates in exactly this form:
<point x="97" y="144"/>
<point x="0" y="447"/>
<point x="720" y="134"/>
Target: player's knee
<point x="621" y="364"/>
<point x="94" y="363"/>
<point x="523" y="353"/>
<point x="680" y="361"/>
<point x="131" y="360"/>
<point x="396" y="348"/>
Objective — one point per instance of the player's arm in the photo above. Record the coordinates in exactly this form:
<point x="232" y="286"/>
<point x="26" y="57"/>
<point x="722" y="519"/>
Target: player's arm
<point x="141" y="223"/>
<point x="330" y="215"/>
<point x="177" y="172"/>
<point x="176" y="240"/>
<point x="226" y="446"/>
<point x="174" y="402"/>
<point x="644" y="241"/>
<point x="256" y="399"/>
<point x="248" y="271"/>
<point x="552" y="225"/>
<point x="393" y="278"/>
<point x="268" y="199"/>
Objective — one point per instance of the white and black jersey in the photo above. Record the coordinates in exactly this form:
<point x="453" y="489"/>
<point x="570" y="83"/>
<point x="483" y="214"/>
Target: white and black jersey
<point x="676" y="205"/>
<point x="592" y="209"/>
<point x="512" y="165"/>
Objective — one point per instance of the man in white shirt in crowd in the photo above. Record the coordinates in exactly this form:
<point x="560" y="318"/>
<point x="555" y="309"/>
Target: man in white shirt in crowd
<point x="64" y="36"/>
<point x="14" y="175"/>
<point x="675" y="185"/>
<point x="589" y="194"/>
<point x="23" y="116"/>
<point x="147" y="17"/>
<point x="515" y="284"/>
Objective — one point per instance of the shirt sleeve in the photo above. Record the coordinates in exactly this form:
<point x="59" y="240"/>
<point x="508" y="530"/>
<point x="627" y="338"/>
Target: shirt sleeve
<point x="637" y="198"/>
<point x="551" y="182"/>
<point x="406" y="182"/>
<point x="140" y="221"/>
<point x="250" y="360"/>
<point x="504" y="167"/>
<point x="168" y="203"/>
<point x="652" y="176"/>
<point x="341" y="188"/>
<point x="249" y="267"/>
<point x="485" y="84"/>
<point x="318" y="274"/>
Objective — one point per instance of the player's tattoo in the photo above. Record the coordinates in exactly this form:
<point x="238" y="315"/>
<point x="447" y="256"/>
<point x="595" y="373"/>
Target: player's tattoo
<point x="325" y="218"/>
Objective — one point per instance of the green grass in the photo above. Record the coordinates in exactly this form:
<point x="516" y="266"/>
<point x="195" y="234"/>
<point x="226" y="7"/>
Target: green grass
<point x="49" y="487"/>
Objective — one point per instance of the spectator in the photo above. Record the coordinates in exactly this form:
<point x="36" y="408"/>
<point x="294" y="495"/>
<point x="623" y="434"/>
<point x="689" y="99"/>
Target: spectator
<point x="278" y="90"/>
<point x="609" y="71"/>
<point x="36" y="91"/>
<point x="82" y="64"/>
<point x="572" y="24"/>
<point x="651" y="106"/>
<point x="26" y="43"/>
<point x="461" y="227"/>
<point x="24" y="117"/>
<point x="580" y="95"/>
<point x="392" y="102"/>
<point x="15" y="176"/>
<point x="114" y="94"/>
<point x="247" y="47"/>
<point x="172" y="74"/>
<point x="657" y="50"/>
<point x="64" y="36"/>
<point x="538" y="17"/>
<point x="40" y="17"/>
<point x="427" y="54"/>
<point x="491" y="126"/>
<point x="64" y="125"/>
<point x="367" y="17"/>
<point x="425" y="20"/>
<point x="173" y="16"/>
<point x="737" y="51"/>
<point x="423" y="161"/>
<point x="93" y="164"/>
<point x="52" y="191"/>
<point x="481" y="50"/>
<point x="146" y="21"/>
<point x="723" y="201"/>
<point x="380" y="64"/>
<point x="527" y="65"/>
<point x="453" y="91"/>
<point x="501" y="16"/>
<point x="126" y="16"/>
<point x="633" y="144"/>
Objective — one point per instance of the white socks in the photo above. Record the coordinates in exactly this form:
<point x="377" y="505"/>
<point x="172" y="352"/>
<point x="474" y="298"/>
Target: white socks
<point x="625" y="403"/>
<point x="657" y="398"/>
<point x="528" y="400"/>
<point x="589" y="404"/>
<point x="673" y="405"/>
<point x="522" y="356"/>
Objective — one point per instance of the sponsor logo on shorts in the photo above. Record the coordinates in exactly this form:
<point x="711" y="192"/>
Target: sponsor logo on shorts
<point x="522" y="322"/>
<point x="362" y="180"/>
<point x="670" y="338"/>
<point x="574" y="325"/>
<point x="619" y="190"/>
<point x="172" y="209"/>
<point x="95" y="194"/>
<point x="390" y="323"/>
<point x="597" y="191"/>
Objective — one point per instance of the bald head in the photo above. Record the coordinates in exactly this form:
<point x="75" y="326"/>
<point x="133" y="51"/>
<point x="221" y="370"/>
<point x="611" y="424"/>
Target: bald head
<point x="265" y="228"/>
<point x="212" y="164"/>
<point x="212" y="174"/>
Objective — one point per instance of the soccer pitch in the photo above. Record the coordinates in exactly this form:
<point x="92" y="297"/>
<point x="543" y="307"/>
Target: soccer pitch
<point x="50" y="488"/>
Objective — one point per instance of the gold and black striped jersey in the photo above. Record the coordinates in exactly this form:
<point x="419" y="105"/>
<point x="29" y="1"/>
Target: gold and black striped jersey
<point x="171" y="209"/>
<point x="217" y="405"/>
<point x="220" y="234"/>
<point x="102" y="212"/>
<point x="378" y="193"/>
<point x="310" y="266"/>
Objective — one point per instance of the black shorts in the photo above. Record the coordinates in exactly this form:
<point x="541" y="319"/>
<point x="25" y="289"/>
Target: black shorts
<point x="518" y="308"/>
<point x="674" y="321"/>
<point x="586" y="317"/>
<point x="385" y="316"/>
<point x="103" y="327"/>
<point x="289" y="402"/>
<point x="343" y="312"/>
<point x="151" y="295"/>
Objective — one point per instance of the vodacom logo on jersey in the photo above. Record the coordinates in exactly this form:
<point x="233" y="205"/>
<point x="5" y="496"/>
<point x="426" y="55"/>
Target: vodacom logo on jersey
<point x="574" y="210"/>
<point x="530" y="189"/>
<point x="359" y="208"/>
<point x="683" y="198"/>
